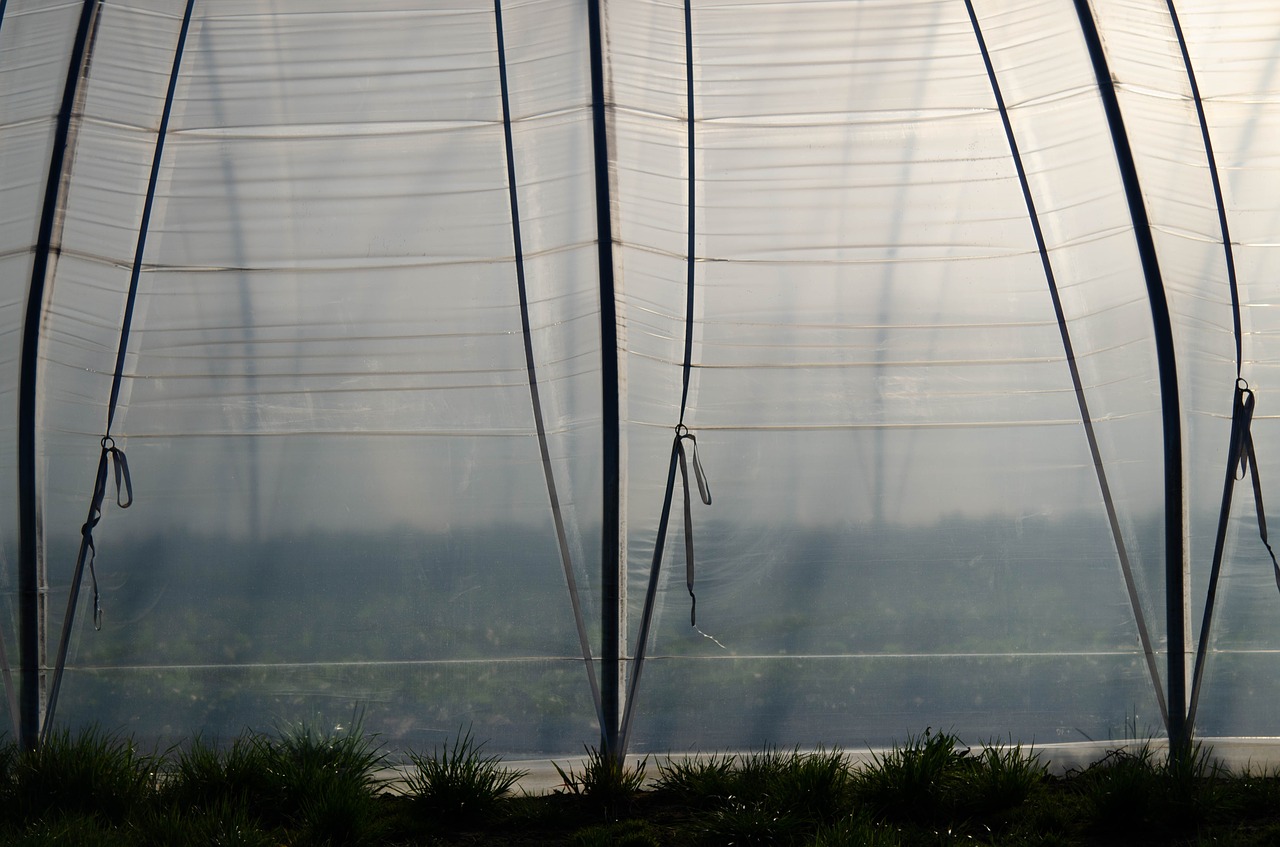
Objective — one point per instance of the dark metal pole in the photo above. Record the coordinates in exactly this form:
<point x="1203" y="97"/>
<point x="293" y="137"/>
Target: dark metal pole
<point x="610" y="577"/>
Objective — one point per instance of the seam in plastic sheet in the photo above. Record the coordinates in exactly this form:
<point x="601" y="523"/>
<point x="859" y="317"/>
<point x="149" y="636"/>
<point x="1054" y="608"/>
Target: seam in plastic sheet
<point x="682" y="657"/>
<point x="548" y="472"/>
<point x="1126" y="568"/>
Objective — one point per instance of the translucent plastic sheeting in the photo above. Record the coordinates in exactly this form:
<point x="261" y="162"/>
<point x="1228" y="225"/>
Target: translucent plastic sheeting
<point x="34" y="41"/>
<point x="852" y="702"/>
<point x="521" y="708"/>
<point x="388" y="364"/>
<point x="1237" y="74"/>
<point x="341" y="496"/>
<point x="1160" y="114"/>
<point x="1041" y="62"/>
<point x="874" y="343"/>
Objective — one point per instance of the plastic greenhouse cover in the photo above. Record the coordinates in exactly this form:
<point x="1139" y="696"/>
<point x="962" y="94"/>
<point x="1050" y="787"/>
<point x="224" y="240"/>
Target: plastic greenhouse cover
<point x="371" y="279"/>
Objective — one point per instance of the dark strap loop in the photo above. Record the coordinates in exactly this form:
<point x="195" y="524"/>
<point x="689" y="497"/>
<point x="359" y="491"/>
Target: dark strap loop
<point x="704" y="492"/>
<point x="115" y="457"/>
<point x="121" y="465"/>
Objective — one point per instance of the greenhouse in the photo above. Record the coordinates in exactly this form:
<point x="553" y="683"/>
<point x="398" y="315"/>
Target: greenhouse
<point x="641" y="374"/>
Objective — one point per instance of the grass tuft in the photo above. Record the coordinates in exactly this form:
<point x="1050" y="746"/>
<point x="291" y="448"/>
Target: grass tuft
<point x="604" y="780"/>
<point x="631" y="833"/>
<point x="815" y="786"/>
<point x="699" y="781"/>
<point x="460" y="783"/>
<point x="745" y="823"/>
<point x="1004" y="777"/>
<point x="1134" y="790"/>
<point x="857" y="831"/>
<point x="304" y="788"/>
<point x="915" y="781"/>
<point x="92" y="773"/>
<point x="241" y="776"/>
<point x="222" y="824"/>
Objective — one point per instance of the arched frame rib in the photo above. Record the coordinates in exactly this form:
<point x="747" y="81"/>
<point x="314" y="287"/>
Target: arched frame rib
<point x="48" y="244"/>
<point x="1170" y="404"/>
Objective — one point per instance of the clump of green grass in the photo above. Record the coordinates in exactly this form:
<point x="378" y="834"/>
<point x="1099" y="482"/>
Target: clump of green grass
<point x="1120" y="789"/>
<point x="698" y="781"/>
<point x="203" y="776"/>
<point x="630" y="833"/>
<point x="1256" y="790"/>
<point x="305" y="788"/>
<point x="917" y="780"/>
<point x="740" y="822"/>
<point x="1135" y="790"/>
<point x="223" y="824"/>
<point x="65" y="830"/>
<point x="1193" y="792"/>
<point x="815" y="786"/>
<point x="321" y="785"/>
<point x="769" y="797"/>
<point x="459" y="782"/>
<point x="759" y="774"/>
<point x="327" y="779"/>
<point x="604" y="779"/>
<point x="92" y="773"/>
<point x="8" y="804"/>
<point x="1004" y="777"/>
<point x="857" y="831"/>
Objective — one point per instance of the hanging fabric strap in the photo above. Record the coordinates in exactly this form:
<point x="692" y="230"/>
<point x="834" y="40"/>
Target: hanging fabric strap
<point x="111" y="458"/>
<point x="1247" y="463"/>
<point x="680" y="458"/>
<point x="704" y="491"/>
<point x="114" y="456"/>
<point x="1241" y="461"/>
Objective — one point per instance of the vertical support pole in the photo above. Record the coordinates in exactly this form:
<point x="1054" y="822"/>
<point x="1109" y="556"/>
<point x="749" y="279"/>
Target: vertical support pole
<point x="610" y="578"/>
<point x="48" y="243"/>
<point x="1170" y="407"/>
